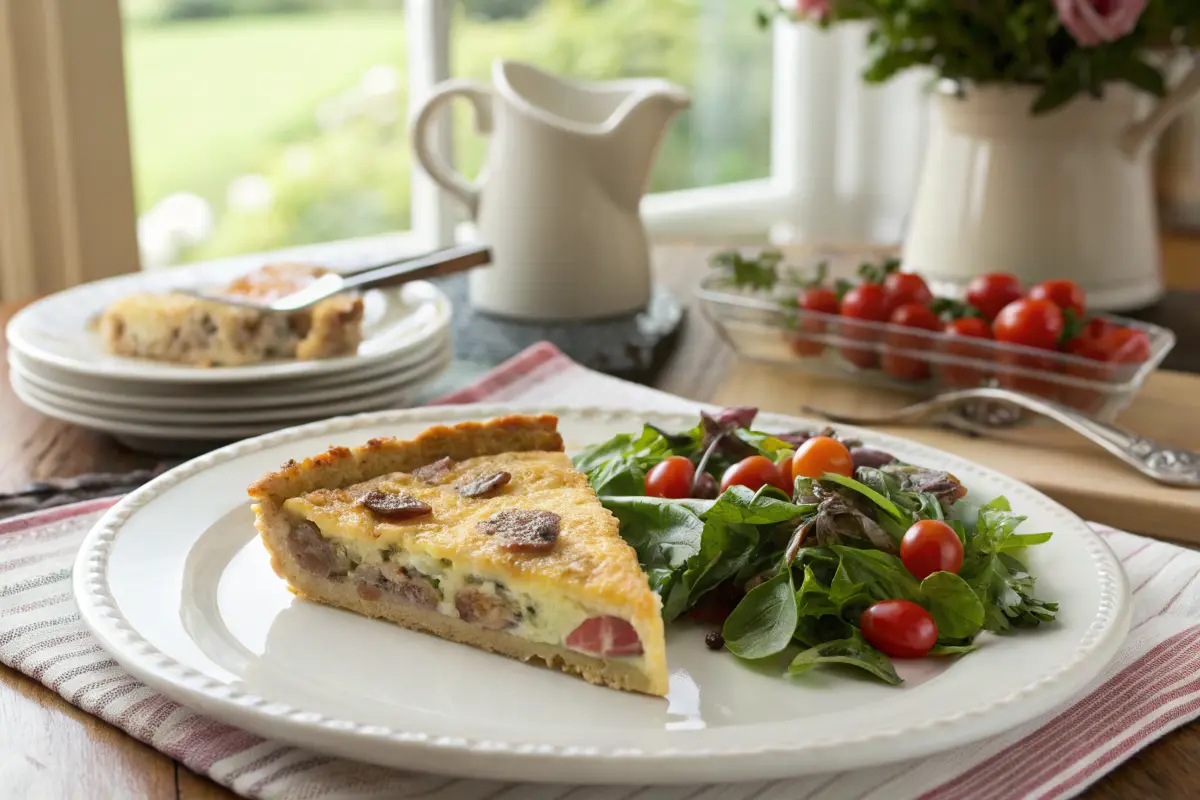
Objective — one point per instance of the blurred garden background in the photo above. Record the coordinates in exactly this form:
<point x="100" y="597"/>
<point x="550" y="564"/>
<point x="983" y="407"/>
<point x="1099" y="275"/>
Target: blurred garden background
<point x="259" y="124"/>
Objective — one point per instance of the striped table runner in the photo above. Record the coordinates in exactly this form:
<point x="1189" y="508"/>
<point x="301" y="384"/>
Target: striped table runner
<point x="1152" y="687"/>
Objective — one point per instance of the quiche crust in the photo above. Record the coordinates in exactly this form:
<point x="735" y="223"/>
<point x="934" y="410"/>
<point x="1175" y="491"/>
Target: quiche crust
<point x="589" y="572"/>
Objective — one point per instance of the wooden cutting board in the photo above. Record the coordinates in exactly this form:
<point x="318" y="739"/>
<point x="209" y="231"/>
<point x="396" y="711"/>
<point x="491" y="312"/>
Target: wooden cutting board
<point x="1064" y="465"/>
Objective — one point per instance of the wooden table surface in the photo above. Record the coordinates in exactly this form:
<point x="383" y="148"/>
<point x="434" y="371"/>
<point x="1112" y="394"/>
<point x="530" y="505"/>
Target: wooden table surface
<point x="77" y="755"/>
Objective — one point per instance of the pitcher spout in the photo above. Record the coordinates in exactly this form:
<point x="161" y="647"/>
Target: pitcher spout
<point x="620" y="122"/>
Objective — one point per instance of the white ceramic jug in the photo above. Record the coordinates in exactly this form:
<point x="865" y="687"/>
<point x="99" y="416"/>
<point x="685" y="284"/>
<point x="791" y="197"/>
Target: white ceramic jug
<point x="557" y="199"/>
<point x="1065" y="195"/>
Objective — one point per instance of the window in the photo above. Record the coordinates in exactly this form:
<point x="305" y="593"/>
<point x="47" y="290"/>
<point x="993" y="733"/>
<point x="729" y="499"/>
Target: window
<point x="264" y="124"/>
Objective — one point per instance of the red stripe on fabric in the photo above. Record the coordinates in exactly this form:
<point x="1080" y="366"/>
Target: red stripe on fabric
<point x="269" y="758"/>
<point x="288" y="771"/>
<point x="200" y="755"/>
<point x="1053" y="731"/>
<point x="39" y="518"/>
<point x="28" y="561"/>
<point x="103" y="701"/>
<point x="1136" y="551"/>
<point x="1133" y="717"/>
<point x="35" y="605"/>
<point x="506" y="374"/>
<point x="1178" y="594"/>
<point x="1157" y="572"/>
<point x="1114" y="756"/>
<point x="83" y="669"/>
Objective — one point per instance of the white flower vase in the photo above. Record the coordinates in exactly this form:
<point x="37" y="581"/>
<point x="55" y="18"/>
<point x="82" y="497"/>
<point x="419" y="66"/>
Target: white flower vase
<point x="1067" y="194"/>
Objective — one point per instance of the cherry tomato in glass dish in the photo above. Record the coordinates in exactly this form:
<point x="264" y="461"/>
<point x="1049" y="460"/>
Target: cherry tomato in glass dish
<point x="1063" y="293"/>
<point x="1126" y="346"/>
<point x="1093" y="368"/>
<point x="899" y="628"/>
<point x="992" y="291"/>
<point x="754" y="472"/>
<point x="819" y="455"/>
<point x="1097" y="328"/>
<point x="1030" y="322"/>
<point x="817" y="299"/>
<point x="671" y="478"/>
<point x="866" y="302"/>
<point x="930" y="546"/>
<point x="903" y="288"/>
<point x="906" y="367"/>
<point x="962" y="337"/>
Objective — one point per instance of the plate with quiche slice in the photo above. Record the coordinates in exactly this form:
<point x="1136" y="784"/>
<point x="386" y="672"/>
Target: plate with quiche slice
<point x="144" y="328"/>
<point x="589" y="595"/>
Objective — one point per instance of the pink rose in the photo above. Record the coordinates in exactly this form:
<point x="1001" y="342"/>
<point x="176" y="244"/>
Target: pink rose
<point x="1094" y="22"/>
<point x="816" y="9"/>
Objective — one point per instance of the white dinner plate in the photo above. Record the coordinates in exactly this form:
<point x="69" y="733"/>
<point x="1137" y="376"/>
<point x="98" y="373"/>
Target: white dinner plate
<point x="59" y="330"/>
<point x="89" y="416"/>
<point x="381" y="394"/>
<point x="219" y="632"/>
<point x="223" y="398"/>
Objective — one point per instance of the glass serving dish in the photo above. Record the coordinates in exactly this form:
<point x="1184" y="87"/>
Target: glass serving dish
<point x="762" y="328"/>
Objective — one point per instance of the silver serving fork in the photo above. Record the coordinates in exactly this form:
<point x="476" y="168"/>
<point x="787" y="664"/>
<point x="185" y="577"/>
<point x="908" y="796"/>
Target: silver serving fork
<point x="1166" y="465"/>
<point x="431" y="265"/>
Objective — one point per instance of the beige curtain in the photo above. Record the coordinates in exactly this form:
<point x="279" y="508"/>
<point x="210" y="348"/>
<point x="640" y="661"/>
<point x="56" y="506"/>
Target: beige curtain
<point x="66" y="187"/>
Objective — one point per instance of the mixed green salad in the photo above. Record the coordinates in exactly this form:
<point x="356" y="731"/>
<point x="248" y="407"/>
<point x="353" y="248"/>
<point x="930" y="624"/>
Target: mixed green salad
<point x="810" y="544"/>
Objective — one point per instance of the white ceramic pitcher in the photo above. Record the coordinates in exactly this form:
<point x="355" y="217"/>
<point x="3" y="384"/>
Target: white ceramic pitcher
<point x="1065" y="195"/>
<point x="557" y="199"/>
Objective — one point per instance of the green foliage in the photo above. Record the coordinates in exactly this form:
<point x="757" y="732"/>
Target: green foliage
<point x="976" y="42"/>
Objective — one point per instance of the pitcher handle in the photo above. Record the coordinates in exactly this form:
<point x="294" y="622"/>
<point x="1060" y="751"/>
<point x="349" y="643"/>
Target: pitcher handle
<point x="1140" y="133"/>
<point x="433" y="162"/>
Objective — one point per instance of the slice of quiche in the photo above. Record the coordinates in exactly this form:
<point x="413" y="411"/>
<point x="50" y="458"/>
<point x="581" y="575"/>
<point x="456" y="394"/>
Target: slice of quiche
<point x="482" y="533"/>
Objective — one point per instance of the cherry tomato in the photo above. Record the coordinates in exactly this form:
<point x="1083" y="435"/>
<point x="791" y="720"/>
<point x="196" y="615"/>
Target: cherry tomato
<point x="819" y="455"/>
<point x="1030" y="322"/>
<point x="1095" y="369"/>
<point x="754" y="473"/>
<point x="903" y="288"/>
<point x="867" y="302"/>
<point x="930" y="546"/>
<point x="1018" y="372"/>
<point x="1126" y="346"/>
<point x="1064" y="294"/>
<point x="905" y="367"/>
<point x="818" y="299"/>
<point x="959" y="333"/>
<point x="992" y="291"/>
<point x="671" y="477"/>
<point x="784" y="465"/>
<point x="899" y="628"/>
<point x="1098" y="328"/>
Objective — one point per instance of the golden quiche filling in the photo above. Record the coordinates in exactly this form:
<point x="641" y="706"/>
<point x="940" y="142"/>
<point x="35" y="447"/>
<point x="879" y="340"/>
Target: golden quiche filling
<point x="510" y="551"/>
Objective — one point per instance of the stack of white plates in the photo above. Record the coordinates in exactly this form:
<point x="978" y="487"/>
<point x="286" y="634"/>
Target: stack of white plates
<point x="59" y="366"/>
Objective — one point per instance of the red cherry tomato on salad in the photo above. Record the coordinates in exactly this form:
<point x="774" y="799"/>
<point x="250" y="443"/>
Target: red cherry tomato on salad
<point x="1030" y="322"/>
<point x="671" y="477"/>
<point x="867" y="302"/>
<point x="899" y="628"/>
<point x="992" y="291"/>
<point x="959" y="333"/>
<point x="784" y="465"/>
<point x="819" y="455"/>
<point x="754" y="473"/>
<point x="905" y="367"/>
<point x="930" y="546"/>
<point x="818" y="299"/>
<point x="903" y="288"/>
<point x="1065" y="294"/>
